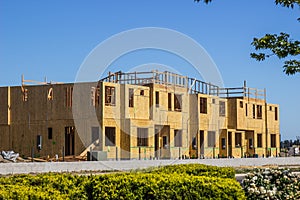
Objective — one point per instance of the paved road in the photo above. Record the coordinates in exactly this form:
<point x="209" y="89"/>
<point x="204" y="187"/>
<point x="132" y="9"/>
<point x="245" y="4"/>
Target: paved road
<point x="25" y="168"/>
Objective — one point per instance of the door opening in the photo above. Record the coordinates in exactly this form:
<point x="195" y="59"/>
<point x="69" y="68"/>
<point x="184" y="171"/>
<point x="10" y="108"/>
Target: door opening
<point x="201" y="144"/>
<point x="69" y="140"/>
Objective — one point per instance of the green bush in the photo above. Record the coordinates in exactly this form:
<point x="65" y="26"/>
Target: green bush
<point x="196" y="170"/>
<point x="164" y="186"/>
<point x="170" y="182"/>
<point x="42" y="186"/>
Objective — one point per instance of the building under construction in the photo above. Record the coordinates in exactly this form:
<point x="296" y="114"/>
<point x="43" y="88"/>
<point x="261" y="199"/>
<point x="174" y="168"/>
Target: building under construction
<point x="139" y="115"/>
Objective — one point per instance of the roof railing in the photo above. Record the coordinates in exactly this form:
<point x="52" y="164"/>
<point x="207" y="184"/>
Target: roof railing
<point x="193" y="85"/>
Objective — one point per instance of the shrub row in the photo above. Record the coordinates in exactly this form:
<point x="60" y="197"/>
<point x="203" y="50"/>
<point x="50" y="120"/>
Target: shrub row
<point x="164" y="186"/>
<point x="158" y="184"/>
<point x="196" y="170"/>
<point x="43" y="186"/>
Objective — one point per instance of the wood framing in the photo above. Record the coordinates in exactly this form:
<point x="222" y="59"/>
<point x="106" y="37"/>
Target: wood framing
<point x="139" y="115"/>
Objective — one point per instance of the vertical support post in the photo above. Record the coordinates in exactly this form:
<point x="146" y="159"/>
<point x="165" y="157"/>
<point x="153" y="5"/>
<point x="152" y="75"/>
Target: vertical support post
<point x="32" y="154"/>
<point x="152" y="76"/>
<point x="139" y="153"/>
<point x="242" y="151"/>
<point x="117" y="153"/>
<point x="198" y="145"/>
<point x="63" y="153"/>
<point x="245" y="89"/>
<point x="266" y="120"/>
<point x="109" y="75"/>
<point x="166" y="78"/>
<point x="22" y="79"/>
<point x="159" y="153"/>
<point x="256" y="93"/>
<point x="248" y="91"/>
<point x="91" y="157"/>
<point x="179" y="153"/>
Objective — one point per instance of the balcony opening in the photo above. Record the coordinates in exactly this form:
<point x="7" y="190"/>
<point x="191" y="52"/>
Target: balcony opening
<point x="203" y="105"/>
<point x="222" y="109"/>
<point x="142" y="137"/>
<point x="259" y="140"/>
<point x="50" y="136"/>
<point x="211" y="138"/>
<point x="223" y="143"/>
<point x="241" y="104"/>
<point x="177" y="102"/>
<point x="276" y="113"/>
<point x="142" y="92"/>
<point x="131" y="97"/>
<point x="238" y="139"/>
<point x="273" y="140"/>
<point x="178" y="138"/>
<point x="259" y="111"/>
<point x="169" y="101"/>
<point x="69" y="95"/>
<point x="157" y="99"/>
<point x="110" y="136"/>
<point x="110" y="96"/>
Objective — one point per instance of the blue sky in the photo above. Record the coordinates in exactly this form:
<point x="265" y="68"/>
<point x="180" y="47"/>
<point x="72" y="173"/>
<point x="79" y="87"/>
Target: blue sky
<point x="52" y="38"/>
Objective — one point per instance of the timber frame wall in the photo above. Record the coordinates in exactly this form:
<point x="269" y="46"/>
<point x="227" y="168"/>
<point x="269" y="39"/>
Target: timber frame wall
<point x="139" y="115"/>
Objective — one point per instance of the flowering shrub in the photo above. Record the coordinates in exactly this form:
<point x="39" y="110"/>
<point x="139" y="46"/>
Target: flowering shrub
<point x="272" y="184"/>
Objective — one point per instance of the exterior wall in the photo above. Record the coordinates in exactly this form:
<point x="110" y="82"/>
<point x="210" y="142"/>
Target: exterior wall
<point x="171" y="118"/>
<point x="237" y="119"/>
<point x="22" y="121"/>
<point x="141" y="152"/>
<point x="273" y="127"/>
<point x="33" y="117"/>
<point x="141" y="101"/>
<point x="5" y="117"/>
<point x="5" y="136"/>
<point x="211" y="121"/>
<point x="223" y="149"/>
<point x="5" y="105"/>
<point x="244" y="117"/>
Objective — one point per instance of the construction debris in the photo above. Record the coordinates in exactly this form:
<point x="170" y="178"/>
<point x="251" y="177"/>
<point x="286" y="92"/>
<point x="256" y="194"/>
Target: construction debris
<point x="2" y="160"/>
<point x="9" y="155"/>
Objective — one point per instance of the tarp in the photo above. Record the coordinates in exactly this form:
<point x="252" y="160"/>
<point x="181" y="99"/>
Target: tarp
<point x="10" y="155"/>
